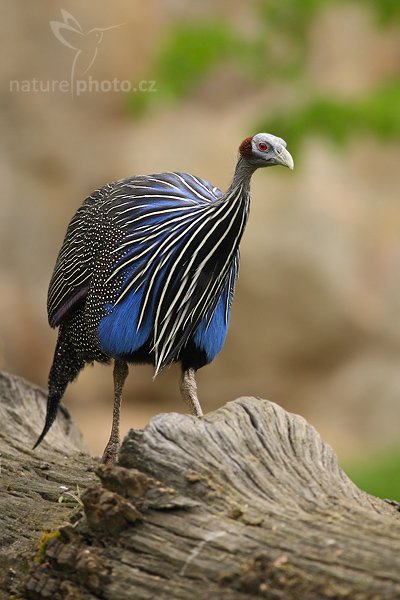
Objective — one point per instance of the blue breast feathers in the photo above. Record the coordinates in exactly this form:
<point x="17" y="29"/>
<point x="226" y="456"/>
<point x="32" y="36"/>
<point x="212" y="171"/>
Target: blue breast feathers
<point x="119" y="335"/>
<point x="211" y="333"/>
<point x="118" y="332"/>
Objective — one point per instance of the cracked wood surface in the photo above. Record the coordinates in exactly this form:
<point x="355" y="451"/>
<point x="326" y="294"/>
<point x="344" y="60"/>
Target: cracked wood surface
<point x="246" y="502"/>
<point x="31" y="483"/>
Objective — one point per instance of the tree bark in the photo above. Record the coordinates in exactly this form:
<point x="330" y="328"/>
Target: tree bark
<point x="246" y="502"/>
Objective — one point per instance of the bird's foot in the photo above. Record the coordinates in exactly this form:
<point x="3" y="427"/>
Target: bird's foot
<point x="110" y="453"/>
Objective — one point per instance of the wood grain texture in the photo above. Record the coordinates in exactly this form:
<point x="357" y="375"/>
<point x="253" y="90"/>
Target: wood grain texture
<point x="246" y="502"/>
<point x="31" y="483"/>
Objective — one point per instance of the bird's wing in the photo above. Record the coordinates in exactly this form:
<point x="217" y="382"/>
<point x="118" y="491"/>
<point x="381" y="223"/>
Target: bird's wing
<point x="74" y="266"/>
<point x="178" y="253"/>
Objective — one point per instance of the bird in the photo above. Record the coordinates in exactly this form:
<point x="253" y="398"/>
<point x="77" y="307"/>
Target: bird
<point x="146" y="274"/>
<point x="85" y="43"/>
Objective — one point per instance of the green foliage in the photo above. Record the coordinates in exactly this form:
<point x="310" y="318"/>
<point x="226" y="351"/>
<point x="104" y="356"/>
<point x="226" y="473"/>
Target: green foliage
<point x="285" y="25"/>
<point x="277" y="51"/>
<point x="387" y="10"/>
<point x="378" y="475"/>
<point x="190" y="51"/>
<point x="377" y="113"/>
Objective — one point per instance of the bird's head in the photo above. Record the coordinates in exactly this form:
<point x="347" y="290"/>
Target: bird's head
<point x="265" y="150"/>
<point x="97" y="33"/>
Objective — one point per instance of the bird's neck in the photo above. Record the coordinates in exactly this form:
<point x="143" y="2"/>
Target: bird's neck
<point x="242" y="176"/>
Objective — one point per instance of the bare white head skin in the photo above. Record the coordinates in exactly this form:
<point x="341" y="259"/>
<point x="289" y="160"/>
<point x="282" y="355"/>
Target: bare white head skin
<point x="265" y="150"/>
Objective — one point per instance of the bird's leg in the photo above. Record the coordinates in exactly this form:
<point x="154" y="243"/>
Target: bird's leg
<point x="188" y="388"/>
<point x="111" y="450"/>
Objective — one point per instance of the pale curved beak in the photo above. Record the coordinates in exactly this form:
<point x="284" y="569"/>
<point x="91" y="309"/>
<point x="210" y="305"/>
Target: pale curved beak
<point x="283" y="157"/>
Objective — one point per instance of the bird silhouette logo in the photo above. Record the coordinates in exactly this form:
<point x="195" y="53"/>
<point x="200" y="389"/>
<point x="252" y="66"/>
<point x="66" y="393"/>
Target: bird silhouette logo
<point x="84" y="43"/>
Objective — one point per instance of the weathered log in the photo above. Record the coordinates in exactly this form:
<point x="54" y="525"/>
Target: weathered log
<point x="32" y="483"/>
<point x="246" y="502"/>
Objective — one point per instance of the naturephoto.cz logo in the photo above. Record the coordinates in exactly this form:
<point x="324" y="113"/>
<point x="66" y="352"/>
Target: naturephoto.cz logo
<point x="84" y="47"/>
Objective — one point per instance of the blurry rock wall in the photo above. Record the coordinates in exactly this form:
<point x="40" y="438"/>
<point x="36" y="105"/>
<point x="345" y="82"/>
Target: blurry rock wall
<point x="316" y="317"/>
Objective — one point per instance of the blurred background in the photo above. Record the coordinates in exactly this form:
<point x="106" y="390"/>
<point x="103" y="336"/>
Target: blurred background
<point x="93" y="92"/>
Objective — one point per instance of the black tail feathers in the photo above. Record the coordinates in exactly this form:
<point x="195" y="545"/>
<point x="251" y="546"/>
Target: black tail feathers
<point x="65" y="368"/>
<point x="53" y="402"/>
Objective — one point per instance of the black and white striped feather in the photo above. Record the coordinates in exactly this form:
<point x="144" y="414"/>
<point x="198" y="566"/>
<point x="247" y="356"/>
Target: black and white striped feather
<point x="172" y="243"/>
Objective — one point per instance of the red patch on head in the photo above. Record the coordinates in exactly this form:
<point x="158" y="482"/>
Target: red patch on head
<point x="245" y="148"/>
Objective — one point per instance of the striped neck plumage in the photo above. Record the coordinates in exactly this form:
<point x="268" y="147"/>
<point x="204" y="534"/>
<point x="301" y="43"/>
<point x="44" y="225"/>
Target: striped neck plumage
<point x="241" y="177"/>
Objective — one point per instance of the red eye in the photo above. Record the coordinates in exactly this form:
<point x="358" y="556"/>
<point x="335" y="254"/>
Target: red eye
<point x="262" y="146"/>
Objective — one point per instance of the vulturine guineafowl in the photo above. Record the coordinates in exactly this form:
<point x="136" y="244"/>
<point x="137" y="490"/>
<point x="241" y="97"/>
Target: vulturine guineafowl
<point x="146" y="274"/>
